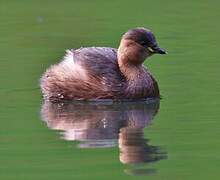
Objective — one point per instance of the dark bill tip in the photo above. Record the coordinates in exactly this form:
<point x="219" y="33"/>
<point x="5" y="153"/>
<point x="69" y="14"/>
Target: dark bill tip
<point x="158" y="50"/>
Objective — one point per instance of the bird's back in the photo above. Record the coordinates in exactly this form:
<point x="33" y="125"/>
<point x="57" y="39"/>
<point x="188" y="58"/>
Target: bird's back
<point x="85" y="73"/>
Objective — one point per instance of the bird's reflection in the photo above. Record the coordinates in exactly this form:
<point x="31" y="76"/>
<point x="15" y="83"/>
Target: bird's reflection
<point x="106" y="124"/>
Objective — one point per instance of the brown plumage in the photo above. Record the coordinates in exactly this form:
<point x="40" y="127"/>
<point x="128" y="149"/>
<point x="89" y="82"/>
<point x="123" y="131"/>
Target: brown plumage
<point x="105" y="73"/>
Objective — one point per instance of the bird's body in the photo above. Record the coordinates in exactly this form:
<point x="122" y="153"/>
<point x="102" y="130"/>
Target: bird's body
<point x="99" y="73"/>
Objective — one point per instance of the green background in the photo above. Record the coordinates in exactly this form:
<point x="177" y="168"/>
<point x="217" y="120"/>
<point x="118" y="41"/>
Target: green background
<point x="34" y="35"/>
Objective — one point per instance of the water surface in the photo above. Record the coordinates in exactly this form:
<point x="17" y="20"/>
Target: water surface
<point x="108" y="125"/>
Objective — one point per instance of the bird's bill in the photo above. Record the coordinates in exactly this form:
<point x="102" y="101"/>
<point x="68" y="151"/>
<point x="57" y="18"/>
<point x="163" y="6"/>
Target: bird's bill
<point x="157" y="50"/>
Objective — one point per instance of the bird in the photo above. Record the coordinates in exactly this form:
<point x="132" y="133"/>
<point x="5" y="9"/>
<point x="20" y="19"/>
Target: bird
<point x="105" y="73"/>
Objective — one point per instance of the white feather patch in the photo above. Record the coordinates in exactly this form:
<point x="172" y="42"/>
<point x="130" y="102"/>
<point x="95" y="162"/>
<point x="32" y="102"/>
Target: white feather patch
<point x="71" y="68"/>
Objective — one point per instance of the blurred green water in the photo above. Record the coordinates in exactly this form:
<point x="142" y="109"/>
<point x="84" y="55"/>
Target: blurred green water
<point x="34" y="34"/>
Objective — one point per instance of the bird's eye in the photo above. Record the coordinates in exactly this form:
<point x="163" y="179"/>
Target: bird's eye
<point x="143" y="43"/>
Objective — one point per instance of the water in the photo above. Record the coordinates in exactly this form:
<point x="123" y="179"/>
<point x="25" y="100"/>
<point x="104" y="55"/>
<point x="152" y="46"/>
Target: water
<point x="184" y="134"/>
<point x="107" y="125"/>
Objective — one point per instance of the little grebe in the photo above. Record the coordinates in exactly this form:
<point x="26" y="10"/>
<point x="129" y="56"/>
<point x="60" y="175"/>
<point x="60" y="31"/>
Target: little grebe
<point x="105" y="73"/>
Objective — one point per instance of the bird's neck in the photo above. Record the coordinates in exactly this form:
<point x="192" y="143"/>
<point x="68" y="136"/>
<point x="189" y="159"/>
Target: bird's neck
<point x="139" y="82"/>
<point x="130" y="71"/>
<point x="130" y="59"/>
<point x="131" y="68"/>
